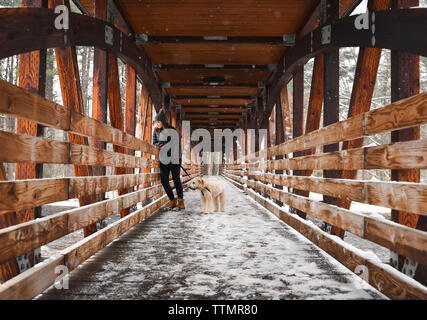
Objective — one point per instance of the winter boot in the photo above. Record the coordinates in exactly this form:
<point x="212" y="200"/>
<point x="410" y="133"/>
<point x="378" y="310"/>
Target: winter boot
<point x="181" y="204"/>
<point x="172" y="203"/>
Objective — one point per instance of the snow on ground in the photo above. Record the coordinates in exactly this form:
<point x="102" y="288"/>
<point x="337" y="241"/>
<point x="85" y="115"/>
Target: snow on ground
<point x="243" y="253"/>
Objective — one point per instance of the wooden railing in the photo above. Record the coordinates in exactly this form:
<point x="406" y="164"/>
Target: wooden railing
<point x="24" y="194"/>
<point x="253" y="174"/>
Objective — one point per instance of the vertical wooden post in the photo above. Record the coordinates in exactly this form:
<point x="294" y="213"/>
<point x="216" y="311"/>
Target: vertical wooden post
<point x="331" y="97"/>
<point x="130" y="124"/>
<point x="32" y="76"/>
<point x="279" y="136"/>
<point x="258" y="112"/>
<point x="130" y="114"/>
<point x="361" y="96"/>
<point x="314" y="110"/>
<point x="286" y="115"/>
<point x="298" y="119"/>
<point x="100" y="84"/>
<point x="405" y="73"/>
<point x="144" y="124"/>
<point x="116" y="113"/>
<point x="148" y="131"/>
<point x="69" y="78"/>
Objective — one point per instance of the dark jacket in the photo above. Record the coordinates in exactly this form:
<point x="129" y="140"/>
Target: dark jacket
<point x="158" y="141"/>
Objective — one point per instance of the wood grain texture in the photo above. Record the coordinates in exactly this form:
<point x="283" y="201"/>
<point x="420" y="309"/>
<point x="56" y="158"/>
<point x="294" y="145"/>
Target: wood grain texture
<point x="213" y="102"/>
<point x="25" y="194"/>
<point x="231" y="77"/>
<point x="92" y="128"/>
<point x="213" y="91"/>
<point x="84" y="155"/>
<point x="388" y="234"/>
<point x="410" y="197"/>
<point x="200" y="53"/>
<point x="69" y="79"/>
<point x="26" y="105"/>
<point x="353" y="128"/>
<point x="29" y="149"/>
<point x="226" y="18"/>
<point x="30" y="235"/>
<point x="35" y="280"/>
<point x="15" y="101"/>
<point x="214" y="109"/>
<point x="381" y="276"/>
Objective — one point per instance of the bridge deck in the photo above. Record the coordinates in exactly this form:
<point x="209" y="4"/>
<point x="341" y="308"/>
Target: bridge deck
<point x="245" y="253"/>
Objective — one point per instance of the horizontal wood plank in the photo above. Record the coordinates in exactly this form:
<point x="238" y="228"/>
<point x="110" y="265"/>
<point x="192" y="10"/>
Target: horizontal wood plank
<point x="398" y="115"/>
<point x="19" y="102"/>
<point x="35" y="280"/>
<point x="401" y="239"/>
<point x="405" y="196"/>
<point x="29" y="149"/>
<point x="381" y="276"/>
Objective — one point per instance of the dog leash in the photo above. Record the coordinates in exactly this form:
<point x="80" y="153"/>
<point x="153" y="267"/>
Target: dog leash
<point x="184" y="170"/>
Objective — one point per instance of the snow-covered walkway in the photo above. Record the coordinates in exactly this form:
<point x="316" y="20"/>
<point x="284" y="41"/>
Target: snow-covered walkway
<point x="244" y="253"/>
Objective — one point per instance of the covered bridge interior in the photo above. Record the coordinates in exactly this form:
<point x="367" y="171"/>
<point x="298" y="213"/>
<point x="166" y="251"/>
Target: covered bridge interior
<point x="218" y="65"/>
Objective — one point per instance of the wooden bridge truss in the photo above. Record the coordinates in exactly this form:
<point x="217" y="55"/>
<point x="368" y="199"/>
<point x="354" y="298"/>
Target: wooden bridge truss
<point x="216" y="77"/>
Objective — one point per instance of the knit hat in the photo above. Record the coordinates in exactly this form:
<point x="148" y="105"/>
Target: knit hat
<point x="161" y="116"/>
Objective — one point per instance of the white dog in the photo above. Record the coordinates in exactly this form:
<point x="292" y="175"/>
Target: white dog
<point x="210" y="191"/>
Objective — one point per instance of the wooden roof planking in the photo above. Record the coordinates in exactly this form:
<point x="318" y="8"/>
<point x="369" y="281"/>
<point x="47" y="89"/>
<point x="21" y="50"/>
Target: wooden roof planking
<point x="189" y="66"/>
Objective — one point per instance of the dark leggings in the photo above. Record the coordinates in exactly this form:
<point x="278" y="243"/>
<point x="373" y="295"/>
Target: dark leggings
<point x="164" y="176"/>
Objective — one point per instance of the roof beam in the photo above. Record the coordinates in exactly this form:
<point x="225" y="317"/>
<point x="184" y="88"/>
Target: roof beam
<point x="14" y="23"/>
<point x="205" y="96"/>
<point x="213" y="109"/>
<point x="207" y="121"/>
<point x="400" y="23"/>
<point x="285" y="40"/>
<point x="159" y="66"/>
<point x="213" y="102"/>
<point x="192" y="116"/>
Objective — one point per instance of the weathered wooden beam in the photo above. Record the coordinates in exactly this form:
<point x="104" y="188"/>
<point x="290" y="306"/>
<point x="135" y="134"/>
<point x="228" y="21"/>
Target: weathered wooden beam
<point x="32" y="283"/>
<point x="192" y="116"/>
<point x="69" y="78"/>
<point x="314" y="112"/>
<point x="130" y="113"/>
<point x="398" y="23"/>
<point x="130" y="118"/>
<point x="100" y="83"/>
<point x="115" y="111"/>
<point x="402" y="114"/>
<point x="405" y="82"/>
<point x="225" y="121"/>
<point x="148" y="128"/>
<point x="143" y="39"/>
<point x="380" y="276"/>
<point x="396" y="195"/>
<point x="15" y="22"/>
<point x="20" y="194"/>
<point x="286" y="115"/>
<point x="36" y="280"/>
<point x="362" y="92"/>
<point x="213" y="101"/>
<point x="331" y="96"/>
<point x="214" y="109"/>
<point x="32" y="76"/>
<point x="298" y="119"/>
<point x="381" y="231"/>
